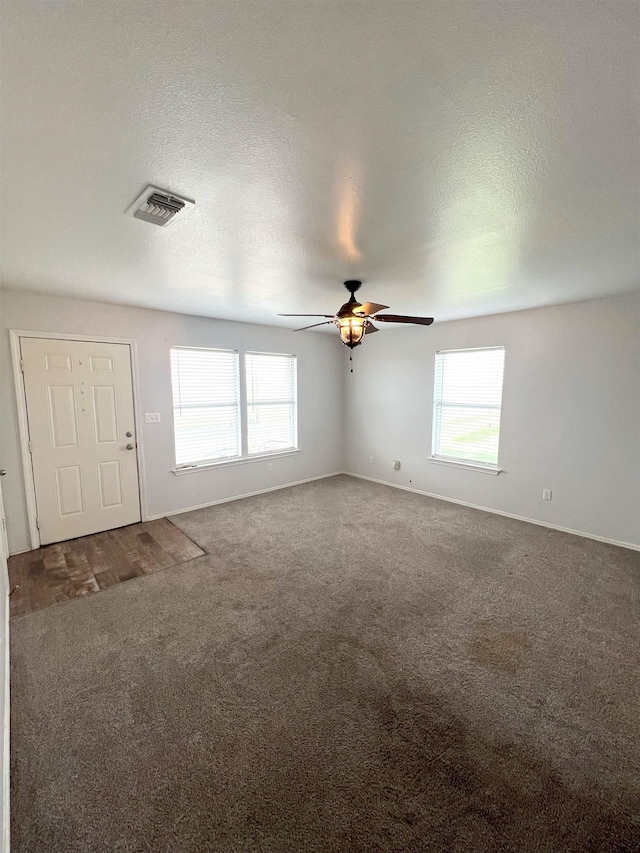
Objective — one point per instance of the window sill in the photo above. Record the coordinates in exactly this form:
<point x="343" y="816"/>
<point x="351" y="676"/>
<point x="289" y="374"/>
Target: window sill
<point x="471" y="466"/>
<point x="228" y="463"/>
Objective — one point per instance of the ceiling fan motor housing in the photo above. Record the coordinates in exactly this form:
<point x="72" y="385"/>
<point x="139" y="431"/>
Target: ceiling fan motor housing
<point x="347" y="309"/>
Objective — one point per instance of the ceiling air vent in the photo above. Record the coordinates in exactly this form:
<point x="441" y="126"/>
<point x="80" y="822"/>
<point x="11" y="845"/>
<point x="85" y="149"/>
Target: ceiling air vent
<point x="159" y="206"/>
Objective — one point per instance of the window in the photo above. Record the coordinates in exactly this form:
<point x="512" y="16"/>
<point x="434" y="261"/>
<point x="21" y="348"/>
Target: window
<point x="466" y="405"/>
<point x="206" y="405"/>
<point x="218" y="418"/>
<point x="271" y="402"/>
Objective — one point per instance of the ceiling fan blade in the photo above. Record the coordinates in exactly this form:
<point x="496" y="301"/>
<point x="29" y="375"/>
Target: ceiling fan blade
<point x="313" y="325"/>
<point x="401" y="318"/>
<point x="369" y="308"/>
<point x="369" y="328"/>
<point x="305" y="315"/>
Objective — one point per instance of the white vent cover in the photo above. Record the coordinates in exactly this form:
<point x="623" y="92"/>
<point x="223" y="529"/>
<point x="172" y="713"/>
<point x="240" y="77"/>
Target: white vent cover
<point x="159" y="206"/>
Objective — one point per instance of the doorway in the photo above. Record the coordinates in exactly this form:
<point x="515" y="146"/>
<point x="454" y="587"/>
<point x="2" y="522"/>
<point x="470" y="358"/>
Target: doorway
<point x="81" y="435"/>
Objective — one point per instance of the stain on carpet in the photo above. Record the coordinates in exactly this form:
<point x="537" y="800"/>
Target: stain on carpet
<point x="507" y="651"/>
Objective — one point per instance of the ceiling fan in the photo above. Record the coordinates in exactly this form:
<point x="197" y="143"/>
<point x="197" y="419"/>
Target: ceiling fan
<point x="353" y="320"/>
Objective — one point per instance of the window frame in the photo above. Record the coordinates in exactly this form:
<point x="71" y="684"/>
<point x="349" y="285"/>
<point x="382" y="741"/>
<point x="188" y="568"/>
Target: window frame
<point x="243" y="407"/>
<point x="458" y="462"/>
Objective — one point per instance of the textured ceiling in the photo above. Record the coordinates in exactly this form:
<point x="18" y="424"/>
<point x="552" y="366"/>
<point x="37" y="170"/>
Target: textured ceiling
<point x="461" y="158"/>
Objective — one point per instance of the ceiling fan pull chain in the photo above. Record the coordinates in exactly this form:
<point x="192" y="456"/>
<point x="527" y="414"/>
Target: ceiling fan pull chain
<point x="351" y="360"/>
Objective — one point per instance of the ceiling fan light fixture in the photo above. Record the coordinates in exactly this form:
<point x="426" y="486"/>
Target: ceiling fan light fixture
<point x="353" y="320"/>
<point x="351" y="330"/>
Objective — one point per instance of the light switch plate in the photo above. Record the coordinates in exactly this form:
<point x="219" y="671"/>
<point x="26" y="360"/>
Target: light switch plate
<point x="152" y="418"/>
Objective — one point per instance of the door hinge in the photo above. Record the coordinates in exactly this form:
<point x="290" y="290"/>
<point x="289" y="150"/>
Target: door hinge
<point x="22" y="365"/>
<point x="38" y="523"/>
<point x="29" y="443"/>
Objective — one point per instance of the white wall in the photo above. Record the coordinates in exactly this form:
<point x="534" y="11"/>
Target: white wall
<point x="321" y="359"/>
<point x="570" y="417"/>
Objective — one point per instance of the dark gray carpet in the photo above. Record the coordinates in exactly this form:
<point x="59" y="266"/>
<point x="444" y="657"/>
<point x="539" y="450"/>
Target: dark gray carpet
<point x="350" y="668"/>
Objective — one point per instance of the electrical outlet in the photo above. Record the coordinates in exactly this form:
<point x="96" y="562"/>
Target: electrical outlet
<point x="371" y="459"/>
<point x="269" y="466"/>
<point x="152" y="418"/>
<point x="546" y="494"/>
<point x="396" y="464"/>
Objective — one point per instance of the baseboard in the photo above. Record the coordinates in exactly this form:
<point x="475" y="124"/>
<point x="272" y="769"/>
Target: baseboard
<point x="20" y="551"/>
<point x="241" y="497"/>
<point x="584" y="535"/>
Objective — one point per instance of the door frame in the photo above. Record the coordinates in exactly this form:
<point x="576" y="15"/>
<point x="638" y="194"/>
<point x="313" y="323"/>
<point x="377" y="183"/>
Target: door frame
<point x="23" y="423"/>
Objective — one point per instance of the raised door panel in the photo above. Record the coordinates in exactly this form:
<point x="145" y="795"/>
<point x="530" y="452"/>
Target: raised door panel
<point x="69" y="490"/>
<point x="110" y="484"/>
<point x="100" y="363"/>
<point x="105" y="413"/>
<point x="58" y="362"/>
<point x="63" y="420"/>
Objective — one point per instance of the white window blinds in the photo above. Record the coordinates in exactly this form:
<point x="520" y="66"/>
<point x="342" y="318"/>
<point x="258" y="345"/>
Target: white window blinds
<point x="271" y="402"/>
<point x="206" y="404"/>
<point x="466" y="405"/>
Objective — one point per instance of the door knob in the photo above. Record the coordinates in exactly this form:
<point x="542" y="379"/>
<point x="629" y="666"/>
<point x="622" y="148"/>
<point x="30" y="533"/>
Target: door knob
<point x="2" y="472"/>
<point x="128" y="434"/>
<point x="129" y="446"/>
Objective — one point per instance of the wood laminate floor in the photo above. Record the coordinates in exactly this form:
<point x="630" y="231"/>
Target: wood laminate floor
<point x="38" y="579"/>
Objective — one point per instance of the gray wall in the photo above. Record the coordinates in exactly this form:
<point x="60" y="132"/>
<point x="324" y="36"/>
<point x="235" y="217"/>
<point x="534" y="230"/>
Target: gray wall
<point x="570" y="417"/>
<point x="321" y="359"/>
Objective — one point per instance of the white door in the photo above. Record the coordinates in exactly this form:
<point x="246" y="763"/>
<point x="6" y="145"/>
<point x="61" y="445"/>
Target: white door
<point x="81" y="435"/>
